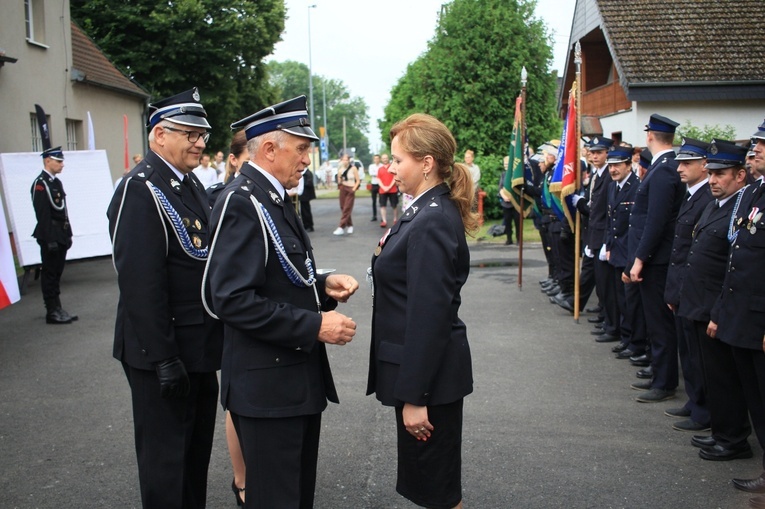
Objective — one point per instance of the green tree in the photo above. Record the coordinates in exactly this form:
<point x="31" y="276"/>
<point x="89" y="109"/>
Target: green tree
<point x="705" y="134"/>
<point x="470" y="76"/>
<point x="168" y="47"/>
<point x="290" y="79"/>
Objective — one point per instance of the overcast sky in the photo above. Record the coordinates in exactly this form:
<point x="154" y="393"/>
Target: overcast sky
<point x="367" y="44"/>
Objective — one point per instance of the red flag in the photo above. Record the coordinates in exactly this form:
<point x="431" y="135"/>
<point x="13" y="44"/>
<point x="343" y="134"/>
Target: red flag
<point x="570" y="158"/>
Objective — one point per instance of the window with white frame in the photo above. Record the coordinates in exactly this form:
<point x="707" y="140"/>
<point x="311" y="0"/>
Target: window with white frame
<point x="37" y="143"/>
<point x="73" y="132"/>
<point x="34" y="18"/>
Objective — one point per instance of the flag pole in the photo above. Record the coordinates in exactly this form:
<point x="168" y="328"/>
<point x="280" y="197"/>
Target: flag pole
<point x="577" y="162"/>
<point x="524" y="77"/>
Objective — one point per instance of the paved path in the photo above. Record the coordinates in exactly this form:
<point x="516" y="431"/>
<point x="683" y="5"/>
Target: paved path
<point x="552" y="422"/>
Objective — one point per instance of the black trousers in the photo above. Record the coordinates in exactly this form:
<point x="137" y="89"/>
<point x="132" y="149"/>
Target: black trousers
<point x="566" y="269"/>
<point x="512" y="218"/>
<point x="606" y="290"/>
<point x="586" y="280"/>
<point x="53" y="262"/>
<point x="375" y="191"/>
<point x="305" y="214"/>
<point x="620" y="296"/>
<point x="728" y="411"/>
<point x="660" y="324"/>
<point x="750" y="365"/>
<point x="689" y="349"/>
<point x="173" y="439"/>
<point x="546" y="236"/>
<point x="634" y="317"/>
<point x="281" y="456"/>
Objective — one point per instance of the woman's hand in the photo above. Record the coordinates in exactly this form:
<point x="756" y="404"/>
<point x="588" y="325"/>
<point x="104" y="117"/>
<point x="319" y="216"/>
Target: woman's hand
<point x="416" y="421"/>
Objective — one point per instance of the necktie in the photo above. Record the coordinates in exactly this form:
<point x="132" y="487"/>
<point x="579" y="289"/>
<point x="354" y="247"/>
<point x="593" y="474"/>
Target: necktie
<point x="687" y="195"/>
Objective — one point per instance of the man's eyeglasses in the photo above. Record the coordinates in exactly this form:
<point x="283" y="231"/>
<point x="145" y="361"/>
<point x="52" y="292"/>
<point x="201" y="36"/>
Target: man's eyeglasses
<point x="193" y="136"/>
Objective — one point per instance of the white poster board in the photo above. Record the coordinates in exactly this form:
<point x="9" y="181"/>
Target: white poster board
<point x="89" y="188"/>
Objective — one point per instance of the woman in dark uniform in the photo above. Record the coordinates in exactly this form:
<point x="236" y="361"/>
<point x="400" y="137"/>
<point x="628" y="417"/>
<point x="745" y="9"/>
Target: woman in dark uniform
<point x="420" y="359"/>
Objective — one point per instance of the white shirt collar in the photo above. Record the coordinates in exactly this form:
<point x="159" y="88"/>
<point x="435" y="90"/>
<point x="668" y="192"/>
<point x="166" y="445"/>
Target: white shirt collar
<point x="657" y="156"/>
<point x="277" y="185"/>
<point x="697" y="186"/>
<point x="177" y="172"/>
<point x="49" y="173"/>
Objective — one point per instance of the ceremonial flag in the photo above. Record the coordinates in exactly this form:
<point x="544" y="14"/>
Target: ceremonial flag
<point x="9" y="283"/>
<point x="91" y="134"/>
<point x="570" y="160"/>
<point x="514" y="176"/>
<point x="564" y="180"/>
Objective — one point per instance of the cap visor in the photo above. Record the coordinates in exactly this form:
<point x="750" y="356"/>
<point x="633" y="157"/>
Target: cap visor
<point x="302" y="131"/>
<point x="190" y="120"/>
<point x="720" y="166"/>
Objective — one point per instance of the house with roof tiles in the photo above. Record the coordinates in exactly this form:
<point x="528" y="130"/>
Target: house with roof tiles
<point x="695" y="61"/>
<point x="46" y="59"/>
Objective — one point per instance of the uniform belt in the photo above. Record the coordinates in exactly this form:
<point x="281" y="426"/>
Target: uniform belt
<point x="60" y="224"/>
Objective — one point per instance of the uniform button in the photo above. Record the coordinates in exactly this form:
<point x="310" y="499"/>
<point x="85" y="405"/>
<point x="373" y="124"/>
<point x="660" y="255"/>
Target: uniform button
<point x="278" y="360"/>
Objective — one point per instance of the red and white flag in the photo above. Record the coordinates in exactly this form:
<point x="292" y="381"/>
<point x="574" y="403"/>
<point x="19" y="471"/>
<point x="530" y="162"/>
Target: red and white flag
<point x="9" y="283"/>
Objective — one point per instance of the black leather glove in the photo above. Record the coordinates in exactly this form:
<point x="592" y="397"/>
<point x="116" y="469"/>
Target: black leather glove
<point x="173" y="380"/>
<point x="52" y="246"/>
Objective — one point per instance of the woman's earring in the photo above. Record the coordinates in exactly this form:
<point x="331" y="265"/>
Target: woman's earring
<point x="426" y="176"/>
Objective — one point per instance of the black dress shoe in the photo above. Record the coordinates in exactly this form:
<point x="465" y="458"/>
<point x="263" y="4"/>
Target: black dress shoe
<point x="690" y="425"/>
<point x="756" y="485"/>
<point x="594" y="319"/>
<point x="599" y="326"/>
<point x="655" y="396"/>
<point x="644" y="373"/>
<point x="545" y="280"/>
<point x="56" y="316"/>
<point x="625" y="354"/>
<point x="704" y="441"/>
<point x="640" y="360"/>
<point x="677" y="412"/>
<point x="641" y="386"/>
<point x="373" y="220"/>
<point x="597" y="332"/>
<point x="566" y="301"/>
<point x="66" y="315"/>
<point x="596" y="309"/>
<point x="606" y="338"/>
<point x="554" y="290"/>
<point x="719" y="453"/>
<point x="619" y="348"/>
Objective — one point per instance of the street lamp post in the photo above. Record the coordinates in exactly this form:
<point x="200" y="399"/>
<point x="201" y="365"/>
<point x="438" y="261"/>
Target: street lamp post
<point x="310" y="78"/>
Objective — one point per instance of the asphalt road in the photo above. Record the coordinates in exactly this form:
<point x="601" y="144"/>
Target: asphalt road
<point x="552" y="422"/>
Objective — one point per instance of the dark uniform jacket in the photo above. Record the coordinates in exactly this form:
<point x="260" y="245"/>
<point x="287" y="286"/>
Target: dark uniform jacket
<point x="597" y="210"/>
<point x="707" y="258"/>
<point x="419" y="352"/>
<point x="49" y="201"/>
<point x="740" y="310"/>
<point x="160" y="313"/>
<point x="653" y="218"/>
<point x="687" y="217"/>
<point x="619" y="208"/>
<point x="273" y="363"/>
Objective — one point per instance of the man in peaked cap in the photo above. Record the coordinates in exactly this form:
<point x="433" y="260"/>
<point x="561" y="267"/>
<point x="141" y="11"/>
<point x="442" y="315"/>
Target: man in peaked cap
<point x="597" y="211"/>
<point x="738" y="317"/>
<point x="53" y="233"/>
<point x="691" y="167"/>
<point x="621" y="196"/>
<point x="706" y="262"/>
<point x="169" y="347"/>
<point x="278" y="312"/>
<point x="652" y="228"/>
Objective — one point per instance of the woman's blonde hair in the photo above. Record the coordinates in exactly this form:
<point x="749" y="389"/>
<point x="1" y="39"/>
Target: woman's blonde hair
<point x="423" y="135"/>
